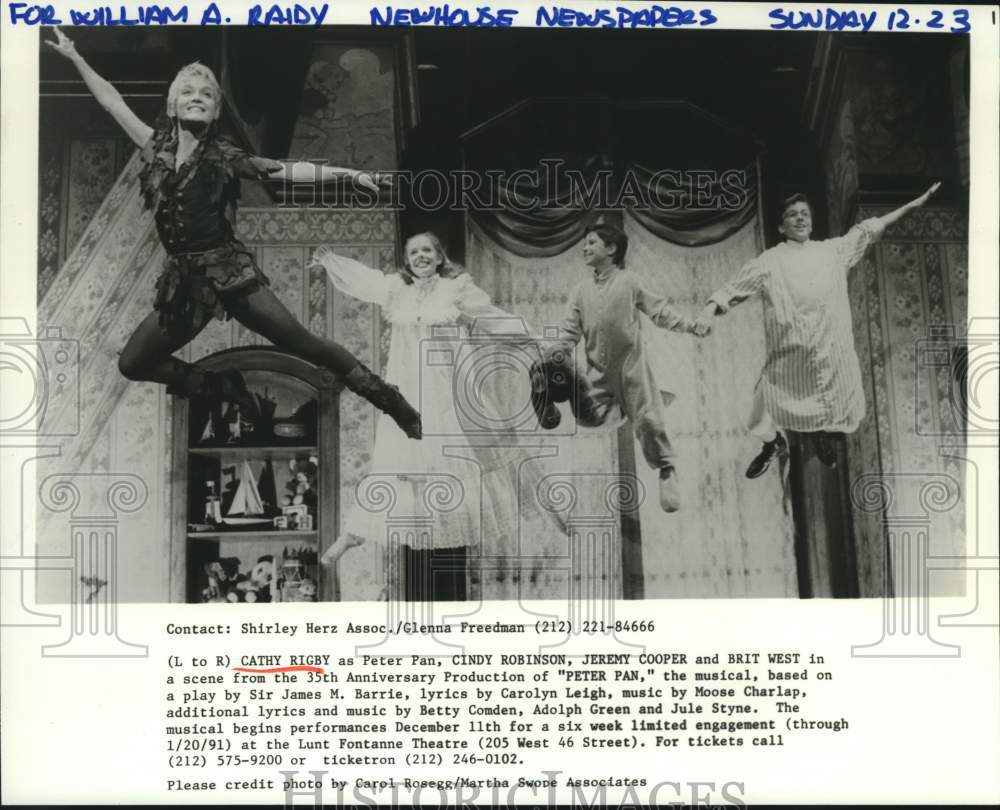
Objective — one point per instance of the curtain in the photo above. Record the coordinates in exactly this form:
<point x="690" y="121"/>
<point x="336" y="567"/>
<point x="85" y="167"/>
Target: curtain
<point x="102" y="422"/>
<point x="545" y="216"/>
<point x="732" y="536"/>
<point x="536" y="560"/>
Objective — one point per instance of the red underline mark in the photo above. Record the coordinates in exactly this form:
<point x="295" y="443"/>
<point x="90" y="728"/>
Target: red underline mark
<point x="300" y="668"/>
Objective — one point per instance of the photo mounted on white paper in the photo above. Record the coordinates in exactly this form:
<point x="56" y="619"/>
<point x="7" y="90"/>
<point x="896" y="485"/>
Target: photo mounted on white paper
<point x="454" y="316"/>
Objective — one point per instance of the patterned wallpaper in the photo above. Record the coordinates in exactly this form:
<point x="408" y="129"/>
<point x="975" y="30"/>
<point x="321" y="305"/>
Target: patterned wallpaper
<point x="77" y="168"/>
<point x="909" y="294"/>
<point x="909" y="291"/>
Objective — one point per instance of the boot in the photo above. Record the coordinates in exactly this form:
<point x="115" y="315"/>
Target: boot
<point x="777" y="446"/>
<point x="385" y="397"/>
<point x="546" y="411"/>
<point x="670" y="496"/>
<point x="190" y="381"/>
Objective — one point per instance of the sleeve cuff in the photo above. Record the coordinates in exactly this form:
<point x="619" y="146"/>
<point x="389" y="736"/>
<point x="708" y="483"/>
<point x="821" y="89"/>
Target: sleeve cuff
<point x="720" y="305"/>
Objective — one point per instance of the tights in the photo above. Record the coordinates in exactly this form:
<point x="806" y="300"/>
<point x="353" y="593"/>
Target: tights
<point x="147" y="355"/>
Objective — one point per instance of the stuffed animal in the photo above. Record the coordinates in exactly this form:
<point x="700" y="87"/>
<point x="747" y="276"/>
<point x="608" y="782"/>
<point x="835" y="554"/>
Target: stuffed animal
<point x="222" y="576"/>
<point x="227" y="584"/>
<point x="302" y="487"/>
<point x="256" y="587"/>
<point x="554" y="379"/>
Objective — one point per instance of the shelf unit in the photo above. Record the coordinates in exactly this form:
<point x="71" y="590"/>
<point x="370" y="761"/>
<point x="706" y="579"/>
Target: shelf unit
<point x="195" y="540"/>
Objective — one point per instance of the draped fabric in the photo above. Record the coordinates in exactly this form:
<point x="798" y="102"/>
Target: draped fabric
<point x="688" y="188"/>
<point x="534" y="560"/>
<point x="732" y="537"/>
<point x="546" y="217"/>
<point x="552" y="165"/>
<point x="541" y="219"/>
<point x="101" y="423"/>
<point x="724" y="203"/>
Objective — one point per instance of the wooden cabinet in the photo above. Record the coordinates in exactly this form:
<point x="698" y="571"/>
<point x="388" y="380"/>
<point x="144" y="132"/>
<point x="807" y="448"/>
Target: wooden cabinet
<point x="255" y="504"/>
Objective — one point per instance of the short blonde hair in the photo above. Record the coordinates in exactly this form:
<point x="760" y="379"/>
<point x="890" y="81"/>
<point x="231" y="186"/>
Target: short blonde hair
<point x="186" y="72"/>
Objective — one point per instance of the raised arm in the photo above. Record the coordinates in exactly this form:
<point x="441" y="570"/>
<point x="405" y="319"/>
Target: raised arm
<point x="107" y="96"/>
<point x="352" y="277"/>
<point x="851" y="247"/>
<point x="894" y="216"/>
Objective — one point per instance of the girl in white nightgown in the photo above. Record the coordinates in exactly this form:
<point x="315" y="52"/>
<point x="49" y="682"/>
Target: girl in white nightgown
<point x="467" y="473"/>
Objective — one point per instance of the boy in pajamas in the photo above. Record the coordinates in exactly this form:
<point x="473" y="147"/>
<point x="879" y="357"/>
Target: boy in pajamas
<point x="604" y="311"/>
<point x="811" y="380"/>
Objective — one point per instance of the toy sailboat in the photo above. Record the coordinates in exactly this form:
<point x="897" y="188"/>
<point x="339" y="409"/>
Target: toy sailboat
<point x="247" y="500"/>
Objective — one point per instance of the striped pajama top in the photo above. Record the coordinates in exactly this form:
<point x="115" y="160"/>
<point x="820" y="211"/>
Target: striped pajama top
<point x="811" y="379"/>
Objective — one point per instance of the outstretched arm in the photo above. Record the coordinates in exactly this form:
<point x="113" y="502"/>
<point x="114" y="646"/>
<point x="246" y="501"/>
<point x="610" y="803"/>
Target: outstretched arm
<point x="571" y="328"/>
<point x="747" y="283"/>
<point x="305" y="172"/>
<point x="851" y="247"/>
<point x="106" y="95"/>
<point x="352" y="277"/>
<point x="482" y="317"/>
<point x="660" y="313"/>
<point x="894" y="216"/>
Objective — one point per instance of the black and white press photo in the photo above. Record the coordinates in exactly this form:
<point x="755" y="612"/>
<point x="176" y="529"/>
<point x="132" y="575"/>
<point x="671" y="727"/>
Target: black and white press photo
<point x="562" y="404"/>
<point x="461" y="315"/>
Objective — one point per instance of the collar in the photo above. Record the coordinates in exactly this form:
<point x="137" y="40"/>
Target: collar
<point x="603" y="275"/>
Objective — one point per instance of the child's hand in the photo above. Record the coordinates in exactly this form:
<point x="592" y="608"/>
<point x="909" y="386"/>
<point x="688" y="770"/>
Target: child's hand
<point x="373" y="180"/>
<point x="699" y="329"/>
<point x="368" y="181"/>
<point x="323" y="254"/>
<point x="63" y="44"/>
<point x="703" y="323"/>
<point x="917" y="203"/>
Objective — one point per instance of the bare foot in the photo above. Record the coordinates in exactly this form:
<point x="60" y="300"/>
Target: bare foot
<point x="336" y="551"/>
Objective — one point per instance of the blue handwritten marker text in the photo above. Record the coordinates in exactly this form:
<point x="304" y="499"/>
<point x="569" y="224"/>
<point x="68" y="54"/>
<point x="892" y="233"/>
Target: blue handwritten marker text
<point x="144" y="15"/>
<point x="287" y="15"/>
<point x="32" y="15"/>
<point x="653" y="16"/>
<point x="484" y="17"/>
<point x="828" y="20"/>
